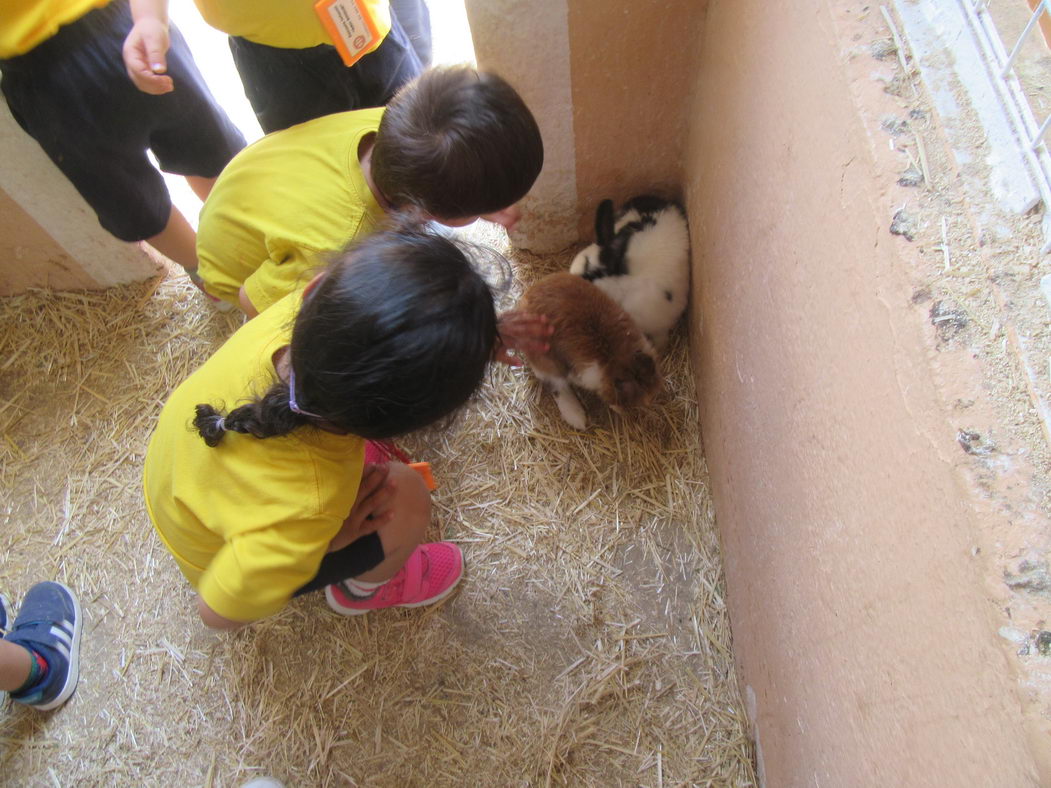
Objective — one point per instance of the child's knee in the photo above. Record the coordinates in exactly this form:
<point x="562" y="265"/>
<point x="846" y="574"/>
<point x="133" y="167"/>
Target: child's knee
<point x="411" y="502"/>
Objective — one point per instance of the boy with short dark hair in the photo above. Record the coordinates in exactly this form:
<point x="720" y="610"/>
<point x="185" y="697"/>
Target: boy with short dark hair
<point x="454" y="145"/>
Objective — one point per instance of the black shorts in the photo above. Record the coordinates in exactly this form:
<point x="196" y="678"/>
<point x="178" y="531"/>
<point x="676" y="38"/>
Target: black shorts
<point x="415" y="20"/>
<point x="72" y="94"/>
<point x="356" y="558"/>
<point x="290" y="86"/>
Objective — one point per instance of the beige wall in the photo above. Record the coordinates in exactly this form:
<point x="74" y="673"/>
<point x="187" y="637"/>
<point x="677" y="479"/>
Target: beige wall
<point x="31" y="257"/>
<point x="863" y="624"/>
<point x="528" y="44"/>
<point x="864" y="628"/>
<point x="605" y="81"/>
<point x="864" y="617"/>
<point x="49" y="237"/>
<point x="631" y="67"/>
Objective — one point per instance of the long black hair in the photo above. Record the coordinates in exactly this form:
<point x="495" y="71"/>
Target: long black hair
<point x="457" y="143"/>
<point x="394" y="337"/>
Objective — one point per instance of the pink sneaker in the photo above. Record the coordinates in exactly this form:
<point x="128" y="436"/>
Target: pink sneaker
<point x="430" y="574"/>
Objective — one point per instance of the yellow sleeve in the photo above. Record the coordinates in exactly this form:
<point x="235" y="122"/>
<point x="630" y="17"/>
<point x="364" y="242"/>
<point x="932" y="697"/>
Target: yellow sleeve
<point x="287" y="269"/>
<point x="219" y="280"/>
<point x="255" y="574"/>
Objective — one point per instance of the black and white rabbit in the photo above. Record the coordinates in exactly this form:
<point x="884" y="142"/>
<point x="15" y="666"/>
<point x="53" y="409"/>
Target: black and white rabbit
<point x="641" y="259"/>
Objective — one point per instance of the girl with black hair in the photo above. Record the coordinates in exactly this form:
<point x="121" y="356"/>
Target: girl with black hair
<point x="257" y="478"/>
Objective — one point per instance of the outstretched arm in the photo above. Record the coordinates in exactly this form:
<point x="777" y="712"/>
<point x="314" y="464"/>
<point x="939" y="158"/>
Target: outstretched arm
<point x="146" y="47"/>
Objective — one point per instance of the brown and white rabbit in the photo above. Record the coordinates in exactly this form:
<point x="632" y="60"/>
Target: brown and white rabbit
<point x="641" y="259"/>
<point x="595" y="345"/>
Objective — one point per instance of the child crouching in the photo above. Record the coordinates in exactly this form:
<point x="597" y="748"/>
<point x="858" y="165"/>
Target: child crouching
<point x="255" y="477"/>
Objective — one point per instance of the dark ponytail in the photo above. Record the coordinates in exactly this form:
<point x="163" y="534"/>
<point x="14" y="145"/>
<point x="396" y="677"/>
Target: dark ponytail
<point x="265" y="417"/>
<point x="395" y="337"/>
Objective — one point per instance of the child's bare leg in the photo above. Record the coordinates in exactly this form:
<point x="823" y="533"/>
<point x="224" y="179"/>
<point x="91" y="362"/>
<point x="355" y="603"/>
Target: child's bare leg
<point x="202" y="187"/>
<point x="15" y="664"/>
<point x="177" y="241"/>
<point x="411" y="509"/>
<point x="411" y="574"/>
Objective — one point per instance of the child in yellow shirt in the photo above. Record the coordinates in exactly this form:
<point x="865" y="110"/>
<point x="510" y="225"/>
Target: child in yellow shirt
<point x="453" y="145"/>
<point x="290" y="69"/>
<point x="269" y="494"/>
<point x="63" y="77"/>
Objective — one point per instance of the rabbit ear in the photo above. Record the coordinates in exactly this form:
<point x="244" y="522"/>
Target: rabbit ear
<point x="604" y="223"/>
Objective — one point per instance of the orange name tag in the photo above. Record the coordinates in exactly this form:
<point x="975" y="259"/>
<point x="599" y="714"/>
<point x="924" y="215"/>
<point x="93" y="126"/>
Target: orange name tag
<point x="350" y="26"/>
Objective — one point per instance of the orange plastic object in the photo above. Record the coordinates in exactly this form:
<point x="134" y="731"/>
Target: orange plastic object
<point x="424" y="469"/>
<point x="350" y="26"/>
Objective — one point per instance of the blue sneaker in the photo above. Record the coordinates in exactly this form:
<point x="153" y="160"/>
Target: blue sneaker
<point x="49" y="623"/>
<point x="4" y="605"/>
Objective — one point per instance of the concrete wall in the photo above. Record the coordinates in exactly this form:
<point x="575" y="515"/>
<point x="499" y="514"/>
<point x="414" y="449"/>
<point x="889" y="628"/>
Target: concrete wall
<point x="49" y="237"/>
<point x="864" y="628"/>
<point x="606" y="82"/>
<point x="630" y="63"/>
<point x="863" y="612"/>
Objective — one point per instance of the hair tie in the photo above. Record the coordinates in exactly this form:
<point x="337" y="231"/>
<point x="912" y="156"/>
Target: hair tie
<point x="292" y="404"/>
<point x="220" y="423"/>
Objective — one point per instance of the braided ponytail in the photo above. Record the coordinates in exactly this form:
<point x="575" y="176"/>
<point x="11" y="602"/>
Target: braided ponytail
<point x="265" y="417"/>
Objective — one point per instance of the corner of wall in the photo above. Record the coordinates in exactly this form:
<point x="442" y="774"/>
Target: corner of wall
<point x="50" y="237"/>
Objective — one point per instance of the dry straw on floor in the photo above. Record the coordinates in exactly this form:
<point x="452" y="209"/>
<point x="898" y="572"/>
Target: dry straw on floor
<point x="588" y="644"/>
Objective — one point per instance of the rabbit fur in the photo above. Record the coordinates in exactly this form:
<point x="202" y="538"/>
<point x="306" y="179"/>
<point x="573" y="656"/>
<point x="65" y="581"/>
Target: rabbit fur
<point x="641" y="259"/>
<point x="595" y="345"/>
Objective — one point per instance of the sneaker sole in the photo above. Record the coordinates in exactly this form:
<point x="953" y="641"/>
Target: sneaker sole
<point x="73" y="675"/>
<point x="337" y="608"/>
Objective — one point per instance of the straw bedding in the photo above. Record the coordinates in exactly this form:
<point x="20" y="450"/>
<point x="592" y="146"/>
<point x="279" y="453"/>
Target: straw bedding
<point x="588" y="644"/>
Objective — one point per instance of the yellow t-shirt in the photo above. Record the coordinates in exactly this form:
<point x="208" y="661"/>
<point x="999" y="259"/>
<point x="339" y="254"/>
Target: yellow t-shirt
<point x="26" y="23"/>
<point x="249" y="520"/>
<point x="282" y="204"/>
<point x="289" y="24"/>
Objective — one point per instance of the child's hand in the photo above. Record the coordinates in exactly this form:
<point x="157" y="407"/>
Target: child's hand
<point x="145" y="56"/>
<point x="521" y="331"/>
<point x="370" y="510"/>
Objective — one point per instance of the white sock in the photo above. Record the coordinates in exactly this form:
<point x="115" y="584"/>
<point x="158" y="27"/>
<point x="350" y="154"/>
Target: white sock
<point x="360" y="587"/>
